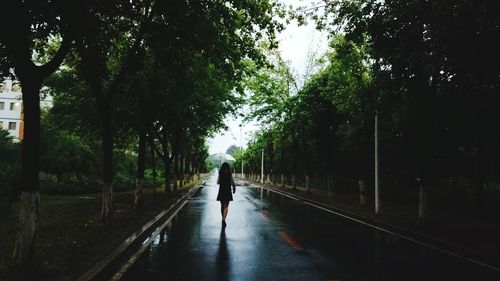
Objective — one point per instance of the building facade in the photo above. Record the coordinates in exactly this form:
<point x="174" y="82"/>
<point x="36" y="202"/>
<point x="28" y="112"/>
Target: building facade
<point x="11" y="108"/>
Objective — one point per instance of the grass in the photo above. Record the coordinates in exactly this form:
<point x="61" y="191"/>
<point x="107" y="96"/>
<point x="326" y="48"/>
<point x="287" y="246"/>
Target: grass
<point x="71" y="237"/>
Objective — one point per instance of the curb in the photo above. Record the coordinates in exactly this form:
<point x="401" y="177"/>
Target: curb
<point x="418" y="238"/>
<point x="112" y="263"/>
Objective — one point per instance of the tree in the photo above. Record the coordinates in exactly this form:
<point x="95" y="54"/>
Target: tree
<point x="438" y="102"/>
<point x="271" y="88"/>
<point x="233" y="149"/>
<point x="109" y="54"/>
<point x="36" y="24"/>
<point x="208" y="44"/>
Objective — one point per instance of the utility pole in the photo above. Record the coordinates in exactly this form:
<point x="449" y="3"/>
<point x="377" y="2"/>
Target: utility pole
<point x="242" y="174"/>
<point x="241" y="150"/>
<point x="377" y="194"/>
<point x="262" y="168"/>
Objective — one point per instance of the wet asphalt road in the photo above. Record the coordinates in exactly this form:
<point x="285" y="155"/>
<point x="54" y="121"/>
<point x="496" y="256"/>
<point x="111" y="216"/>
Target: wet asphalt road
<point x="269" y="237"/>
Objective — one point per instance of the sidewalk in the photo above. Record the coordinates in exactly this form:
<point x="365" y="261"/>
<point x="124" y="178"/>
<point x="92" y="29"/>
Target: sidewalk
<point x="469" y="235"/>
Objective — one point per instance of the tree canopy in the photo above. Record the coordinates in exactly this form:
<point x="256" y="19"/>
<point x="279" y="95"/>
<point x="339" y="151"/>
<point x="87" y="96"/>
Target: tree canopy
<point x="428" y="70"/>
<point x="163" y="73"/>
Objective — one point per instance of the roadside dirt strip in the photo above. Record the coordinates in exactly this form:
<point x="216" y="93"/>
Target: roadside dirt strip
<point x="118" y="261"/>
<point x="418" y="238"/>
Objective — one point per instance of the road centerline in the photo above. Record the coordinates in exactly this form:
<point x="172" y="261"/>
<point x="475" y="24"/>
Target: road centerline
<point x="290" y="240"/>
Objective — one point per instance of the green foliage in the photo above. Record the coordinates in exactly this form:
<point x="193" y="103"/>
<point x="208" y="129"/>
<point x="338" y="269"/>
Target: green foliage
<point x="405" y="62"/>
<point x="270" y="88"/>
<point x="172" y="70"/>
<point x="314" y="129"/>
<point x="438" y="105"/>
<point x="124" y="169"/>
<point x="163" y="72"/>
<point x="233" y="150"/>
<point x="64" y="152"/>
<point x="9" y="164"/>
<point x="38" y="27"/>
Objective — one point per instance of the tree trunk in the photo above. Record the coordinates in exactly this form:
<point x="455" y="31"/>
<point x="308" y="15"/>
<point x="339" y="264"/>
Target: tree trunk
<point x="138" y="198"/>
<point x="270" y="152"/>
<point x="168" y="189"/>
<point x="27" y="219"/>
<point x="295" y="161"/>
<point x="424" y="115"/>
<point x="422" y="203"/>
<point x="306" y="159"/>
<point x="362" y="192"/>
<point x="141" y="166"/>
<point x="107" y="201"/>
<point x="282" y="162"/>
<point x="329" y="183"/>
<point x="31" y="77"/>
<point x="193" y="168"/>
<point x="176" y="170"/>
<point x="153" y="166"/>
<point x="107" y="152"/>
<point x="198" y="167"/>
<point x="181" y="171"/>
<point x="166" y="164"/>
<point x="187" y="163"/>
<point x="28" y="205"/>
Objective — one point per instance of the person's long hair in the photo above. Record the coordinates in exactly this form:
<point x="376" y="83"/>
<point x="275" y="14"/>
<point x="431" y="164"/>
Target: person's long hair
<point x="225" y="174"/>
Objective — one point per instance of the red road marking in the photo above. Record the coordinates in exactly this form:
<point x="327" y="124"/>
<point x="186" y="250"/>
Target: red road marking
<point x="290" y="240"/>
<point x="264" y="216"/>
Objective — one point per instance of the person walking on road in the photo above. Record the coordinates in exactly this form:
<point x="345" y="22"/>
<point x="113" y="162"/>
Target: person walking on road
<point x="225" y="181"/>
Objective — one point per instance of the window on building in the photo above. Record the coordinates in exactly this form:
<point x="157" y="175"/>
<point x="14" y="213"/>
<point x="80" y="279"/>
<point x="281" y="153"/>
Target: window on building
<point x="14" y="106"/>
<point x="2" y="105"/>
<point x="12" y="125"/>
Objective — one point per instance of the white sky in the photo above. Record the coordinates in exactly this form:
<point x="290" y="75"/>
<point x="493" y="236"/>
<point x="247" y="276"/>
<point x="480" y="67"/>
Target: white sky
<point x="295" y="43"/>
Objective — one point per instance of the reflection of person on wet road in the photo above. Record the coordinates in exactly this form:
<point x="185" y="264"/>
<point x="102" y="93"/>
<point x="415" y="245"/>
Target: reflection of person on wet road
<point x="222" y="261"/>
<point x="225" y="181"/>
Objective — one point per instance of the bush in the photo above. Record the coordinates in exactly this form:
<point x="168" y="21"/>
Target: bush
<point x="69" y="185"/>
<point x="10" y="168"/>
<point x="125" y="170"/>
